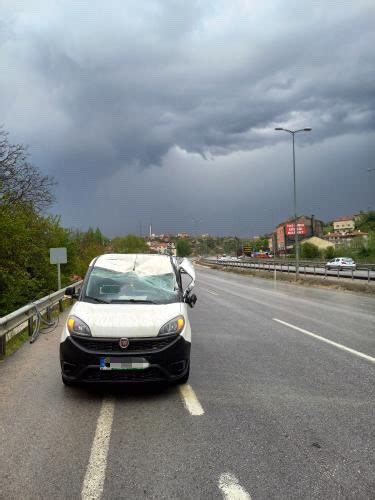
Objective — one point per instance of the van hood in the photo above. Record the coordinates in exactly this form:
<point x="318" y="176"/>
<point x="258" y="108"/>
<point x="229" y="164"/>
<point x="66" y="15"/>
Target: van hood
<point x="125" y="320"/>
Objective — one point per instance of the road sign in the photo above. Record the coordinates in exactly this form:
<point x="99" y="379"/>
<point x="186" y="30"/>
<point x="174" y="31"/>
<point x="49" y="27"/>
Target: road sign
<point x="58" y="256"/>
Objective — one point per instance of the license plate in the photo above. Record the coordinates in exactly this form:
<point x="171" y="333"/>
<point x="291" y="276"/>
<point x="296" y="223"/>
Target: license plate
<point x="108" y="363"/>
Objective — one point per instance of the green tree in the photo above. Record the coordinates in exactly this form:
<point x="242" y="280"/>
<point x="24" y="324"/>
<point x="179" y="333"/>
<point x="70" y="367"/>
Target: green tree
<point x="329" y="253"/>
<point x="25" y="271"/>
<point x="309" y="251"/>
<point x="366" y="222"/>
<point x="183" y="248"/>
<point x="20" y="181"/>
<point x="85" y="246"/>
<point x="129" y="244"/>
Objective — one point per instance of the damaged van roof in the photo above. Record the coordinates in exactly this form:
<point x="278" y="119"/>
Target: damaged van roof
<point x="142" y="264"/>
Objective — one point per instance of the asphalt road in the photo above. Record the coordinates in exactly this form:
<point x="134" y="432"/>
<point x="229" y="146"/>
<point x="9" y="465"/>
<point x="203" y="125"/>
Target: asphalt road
<point x="270" y="412"/>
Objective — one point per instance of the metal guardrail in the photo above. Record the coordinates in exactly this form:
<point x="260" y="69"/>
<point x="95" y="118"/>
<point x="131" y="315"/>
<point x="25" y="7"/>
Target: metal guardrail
<point x="16" y="321"/>
<point x="310" y="268"/>
<point x="304" y="262"/>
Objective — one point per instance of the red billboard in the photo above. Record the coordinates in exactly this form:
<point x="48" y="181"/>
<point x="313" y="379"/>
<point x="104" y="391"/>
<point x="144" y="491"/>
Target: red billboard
<point x="291" y="229"/>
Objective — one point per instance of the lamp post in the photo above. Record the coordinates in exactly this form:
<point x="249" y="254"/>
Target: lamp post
<point x="369" y="170"/>
<point x="293" y="132"/>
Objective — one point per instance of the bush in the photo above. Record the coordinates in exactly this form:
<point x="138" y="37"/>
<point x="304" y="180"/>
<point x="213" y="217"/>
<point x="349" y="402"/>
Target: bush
<point x="309" y="251"/>
<point x="183" y="248"/>
<point x="129" y="244"/>
<point x="329" y="253"/>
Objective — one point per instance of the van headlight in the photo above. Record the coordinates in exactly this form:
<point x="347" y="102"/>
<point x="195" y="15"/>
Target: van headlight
<point x="173" y="327"/>
<point x="77" y="326"/>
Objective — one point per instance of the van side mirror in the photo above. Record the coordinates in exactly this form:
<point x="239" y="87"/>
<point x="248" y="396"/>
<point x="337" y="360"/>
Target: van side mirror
<point x="186" y="267"/>
<point x="191" y="300"/>
<point x="71" y="292"/>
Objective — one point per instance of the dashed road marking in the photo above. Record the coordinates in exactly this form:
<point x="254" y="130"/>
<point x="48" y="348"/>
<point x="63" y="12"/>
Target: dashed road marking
<point x="93" y="483"/>
<point x="190" y="399"/>
<point x="209" y="291"/>
<point x="323" y="339"/>
<point x="231" y="489"/>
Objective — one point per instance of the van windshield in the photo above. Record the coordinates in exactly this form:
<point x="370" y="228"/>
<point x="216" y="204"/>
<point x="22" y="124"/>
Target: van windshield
<point x="114" y="287"/>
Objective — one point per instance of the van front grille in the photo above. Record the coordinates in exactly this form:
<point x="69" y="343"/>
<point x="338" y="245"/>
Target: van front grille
<point x="149" y="374"/>
<point x="100" y="344"/>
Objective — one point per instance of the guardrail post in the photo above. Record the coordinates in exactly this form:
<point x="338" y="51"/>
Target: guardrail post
<point x="338" y="273"/>
<point x="2" y="343"/>
<point x="48" y="313"/>
<point x="368" y="274"/>
<point x="30" y="326"/>
<point x="352" y="274"/>
<point x="61" y="306"/>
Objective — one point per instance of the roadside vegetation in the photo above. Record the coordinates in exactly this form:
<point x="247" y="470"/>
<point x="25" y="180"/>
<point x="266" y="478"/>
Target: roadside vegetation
<point x="27" y="233"/>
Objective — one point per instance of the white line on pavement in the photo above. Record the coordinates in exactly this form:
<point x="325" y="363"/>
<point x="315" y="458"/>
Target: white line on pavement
<point x="190" y="400"/>
<point x="231" y="489"/>
<point x="323" y="339"/>
<point x="93" y="484"/>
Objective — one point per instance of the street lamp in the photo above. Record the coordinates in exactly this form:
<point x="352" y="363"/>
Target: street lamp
<point x="369" y="170"/>
<point x="293" y="132"/>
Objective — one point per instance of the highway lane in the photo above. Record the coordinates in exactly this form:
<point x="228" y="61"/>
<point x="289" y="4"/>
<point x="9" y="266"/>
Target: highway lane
<point x="345" y="317"/>
<point x="284" y="414"/>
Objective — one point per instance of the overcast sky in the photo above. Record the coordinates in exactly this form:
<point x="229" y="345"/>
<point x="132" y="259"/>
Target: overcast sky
<point x="164" y="111"/>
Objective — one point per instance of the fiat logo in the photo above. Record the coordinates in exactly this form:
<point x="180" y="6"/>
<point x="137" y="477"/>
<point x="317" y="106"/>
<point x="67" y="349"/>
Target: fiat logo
<point x="124" y="343"/>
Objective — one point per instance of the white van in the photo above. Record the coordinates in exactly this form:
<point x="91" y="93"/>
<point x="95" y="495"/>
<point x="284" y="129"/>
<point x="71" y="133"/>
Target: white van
<point x="130" y="322"/>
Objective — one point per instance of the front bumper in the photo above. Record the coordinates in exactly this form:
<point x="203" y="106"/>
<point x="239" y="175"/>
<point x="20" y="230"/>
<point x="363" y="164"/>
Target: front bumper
<point x="168" y="359"/>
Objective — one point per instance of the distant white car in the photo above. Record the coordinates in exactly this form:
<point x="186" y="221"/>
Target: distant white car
<point x="341" y="263"/>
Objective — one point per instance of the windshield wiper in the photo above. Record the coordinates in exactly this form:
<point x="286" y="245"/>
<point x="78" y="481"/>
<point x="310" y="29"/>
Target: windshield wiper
<point x="101" y="301"/>
<point x="133" y="301"/>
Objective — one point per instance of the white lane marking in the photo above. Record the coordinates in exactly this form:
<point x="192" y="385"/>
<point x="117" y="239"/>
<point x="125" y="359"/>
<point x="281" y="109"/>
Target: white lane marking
<point x="93" y="483"/>
<point x="323" y="339"/>
<point x="231" y="489"/>
<point x="190" y="400"/>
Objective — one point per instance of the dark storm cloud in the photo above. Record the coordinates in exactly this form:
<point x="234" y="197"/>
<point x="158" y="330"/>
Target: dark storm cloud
<point x="103" y="93"/>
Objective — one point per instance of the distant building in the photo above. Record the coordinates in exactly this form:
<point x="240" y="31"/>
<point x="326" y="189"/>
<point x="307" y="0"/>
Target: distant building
<point x="318" y="242"/>
<point x="339" y="238"/>
<point x="346" y="223"/>
<point x="162" y="247"/>
<point x="284" y="235"/>
<point x="183" y="235"/>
